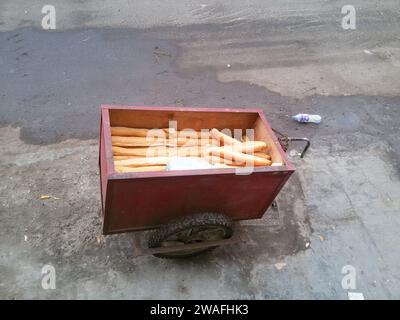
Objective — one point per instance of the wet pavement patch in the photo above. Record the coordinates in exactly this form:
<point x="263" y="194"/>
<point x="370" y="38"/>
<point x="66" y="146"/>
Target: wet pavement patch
<point x="51" y="86"/>
<point x="54" y="83"/>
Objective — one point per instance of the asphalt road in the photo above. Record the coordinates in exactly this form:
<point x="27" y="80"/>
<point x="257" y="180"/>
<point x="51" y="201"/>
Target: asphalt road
<point x="340" y="208"/>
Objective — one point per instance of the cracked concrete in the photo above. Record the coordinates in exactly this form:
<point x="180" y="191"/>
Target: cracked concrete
<point x="340" y="207"/>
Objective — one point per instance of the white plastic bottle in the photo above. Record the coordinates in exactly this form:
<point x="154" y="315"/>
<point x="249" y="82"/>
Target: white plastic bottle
<point x="304" y="118"/>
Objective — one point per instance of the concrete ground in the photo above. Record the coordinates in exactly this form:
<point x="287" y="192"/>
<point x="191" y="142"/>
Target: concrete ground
<point x="340" y="208"/>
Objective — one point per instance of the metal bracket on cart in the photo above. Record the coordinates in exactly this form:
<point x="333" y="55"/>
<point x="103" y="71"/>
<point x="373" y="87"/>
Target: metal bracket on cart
<point x="285" y="140"/>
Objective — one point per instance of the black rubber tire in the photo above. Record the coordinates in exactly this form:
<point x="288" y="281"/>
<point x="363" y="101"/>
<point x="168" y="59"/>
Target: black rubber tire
<point x="181" y="224"/>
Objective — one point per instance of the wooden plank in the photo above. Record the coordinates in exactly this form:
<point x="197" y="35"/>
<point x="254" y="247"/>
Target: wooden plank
<point x="151" y="119"/>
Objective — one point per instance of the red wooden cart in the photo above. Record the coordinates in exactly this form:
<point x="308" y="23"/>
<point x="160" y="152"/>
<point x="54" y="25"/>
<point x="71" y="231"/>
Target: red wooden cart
<point x="190" y="210"/>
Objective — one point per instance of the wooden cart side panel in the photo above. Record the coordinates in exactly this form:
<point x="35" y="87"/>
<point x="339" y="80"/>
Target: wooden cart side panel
<point x="136" y="204"/>
<point x="106" y="164"/>
<point x="277" y="146"/>
<point x="285" y="178"/>
<point x="103" y="169"/>
<point x="185" y="119"/>
<point x="106" y="136"/>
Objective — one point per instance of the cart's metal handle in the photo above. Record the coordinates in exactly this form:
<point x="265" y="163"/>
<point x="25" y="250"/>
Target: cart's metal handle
<point x="308" y="143"/>
<point x="284" y="140"/>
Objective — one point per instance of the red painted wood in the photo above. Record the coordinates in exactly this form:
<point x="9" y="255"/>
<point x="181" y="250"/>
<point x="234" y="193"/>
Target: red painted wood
<point x="174" y="108"/>
<point x="135" y="201"/>
<point x="103" y="167"/>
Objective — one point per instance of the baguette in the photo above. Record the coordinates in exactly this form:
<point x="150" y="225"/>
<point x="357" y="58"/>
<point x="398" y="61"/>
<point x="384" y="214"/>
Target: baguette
<point x="121" y="169"/>
<point x="124" y="131"/>
<point x="141" y="152"/>
<point x="187" y="133"/>
<point x="262" y="155"/>
<point x="247" y="146"/>
<point x="223" y="138"/>
<point x="162" y="151"/>
<point x="193" y="134"/>
<point x="142" y="162"/>
<point x="137" y="141"/>
<point x="218" y="160"/>
<point x="187" y="141"/>
<point x="195" y="151"/>
<point x="238" y="157"/>
<point x="122" y="141"/>
<point x="250" y="146"/>
<point x="124" y="157"/>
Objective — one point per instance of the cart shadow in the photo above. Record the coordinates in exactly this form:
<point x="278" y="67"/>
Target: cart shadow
<point x="284" y="230"/>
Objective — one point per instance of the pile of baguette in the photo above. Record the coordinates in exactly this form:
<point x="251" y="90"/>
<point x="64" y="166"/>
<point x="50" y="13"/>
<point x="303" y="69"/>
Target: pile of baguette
<point x="141" y="150"/>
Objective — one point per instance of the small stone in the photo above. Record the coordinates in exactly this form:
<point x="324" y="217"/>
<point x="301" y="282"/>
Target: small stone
<point x="280" y="265"/>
